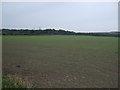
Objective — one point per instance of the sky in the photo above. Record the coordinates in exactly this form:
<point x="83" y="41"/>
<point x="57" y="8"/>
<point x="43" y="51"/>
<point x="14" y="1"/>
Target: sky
<point x="72" y="16"/>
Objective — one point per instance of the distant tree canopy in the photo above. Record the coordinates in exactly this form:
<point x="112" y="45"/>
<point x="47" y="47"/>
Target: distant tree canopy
<point x="36" y="32"/>
<point x="53" y="32"/>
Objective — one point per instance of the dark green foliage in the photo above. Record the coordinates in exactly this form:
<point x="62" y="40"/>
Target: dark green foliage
<point x="36" y="32"/>
<point x="54" y="32"/>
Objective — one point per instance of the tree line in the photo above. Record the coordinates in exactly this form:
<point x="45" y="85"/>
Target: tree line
<point x="54" y="32"/>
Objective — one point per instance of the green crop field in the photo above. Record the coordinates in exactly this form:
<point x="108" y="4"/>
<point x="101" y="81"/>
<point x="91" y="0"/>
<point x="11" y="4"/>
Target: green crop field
<point x="62" y="61"/>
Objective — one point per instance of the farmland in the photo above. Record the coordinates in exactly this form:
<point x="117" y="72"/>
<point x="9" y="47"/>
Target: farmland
<point x="61" y="61"/>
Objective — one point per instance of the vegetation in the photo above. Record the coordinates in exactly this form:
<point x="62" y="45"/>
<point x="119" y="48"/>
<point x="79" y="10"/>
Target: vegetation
<point x="8" y="82"/>
<point x="54" y="32"/>
<point x="62" y="61"/>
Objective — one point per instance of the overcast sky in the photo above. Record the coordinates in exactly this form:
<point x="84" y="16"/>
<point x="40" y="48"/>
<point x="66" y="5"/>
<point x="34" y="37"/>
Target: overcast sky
<point x="78" y="17"/>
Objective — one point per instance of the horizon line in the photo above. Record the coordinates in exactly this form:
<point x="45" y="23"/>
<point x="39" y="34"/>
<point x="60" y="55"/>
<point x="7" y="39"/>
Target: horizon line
<point x="61" y="29"/>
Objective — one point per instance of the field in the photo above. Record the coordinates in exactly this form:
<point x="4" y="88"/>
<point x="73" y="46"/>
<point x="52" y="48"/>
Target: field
<point x="62" y="61"/>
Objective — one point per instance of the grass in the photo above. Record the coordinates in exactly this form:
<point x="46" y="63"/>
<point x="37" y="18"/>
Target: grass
<point x="8" y="82"/>
<point x="62" y="61"/>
